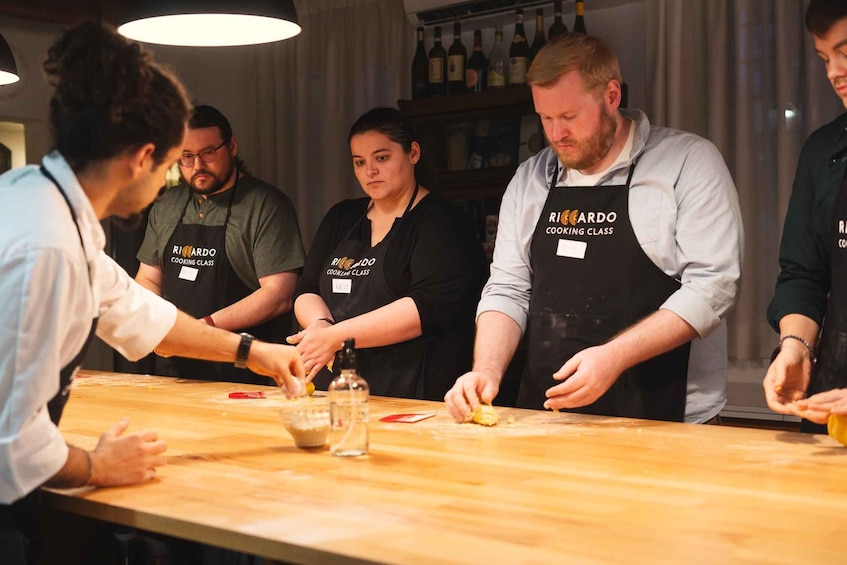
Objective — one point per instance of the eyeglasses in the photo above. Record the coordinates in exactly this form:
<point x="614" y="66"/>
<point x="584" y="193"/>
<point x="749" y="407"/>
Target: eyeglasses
<point x="207" y="156"/>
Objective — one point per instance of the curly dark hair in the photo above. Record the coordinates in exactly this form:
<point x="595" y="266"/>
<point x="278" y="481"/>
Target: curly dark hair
<point x="822" y="14"/>
<point x="111" y="97"/>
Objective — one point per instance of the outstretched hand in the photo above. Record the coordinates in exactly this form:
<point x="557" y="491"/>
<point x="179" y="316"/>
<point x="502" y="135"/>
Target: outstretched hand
<point x="280" y="362"/>
<point x="787" y="379"/>
<point x="122" y="459"/>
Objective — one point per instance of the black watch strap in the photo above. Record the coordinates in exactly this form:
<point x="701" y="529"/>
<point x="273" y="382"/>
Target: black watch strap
<point x="243" y="351"/>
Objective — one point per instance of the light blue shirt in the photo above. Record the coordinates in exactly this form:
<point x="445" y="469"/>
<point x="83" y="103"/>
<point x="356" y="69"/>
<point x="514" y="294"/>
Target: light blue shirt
<point x="684" y="211"/>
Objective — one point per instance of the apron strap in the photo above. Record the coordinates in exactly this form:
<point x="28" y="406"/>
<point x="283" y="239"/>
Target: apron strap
<point x="53" y="180"/>
<point x="371" y="205"/>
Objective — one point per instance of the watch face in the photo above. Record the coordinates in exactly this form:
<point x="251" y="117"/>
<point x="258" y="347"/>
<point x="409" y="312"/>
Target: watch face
<point x="243" y="350"/>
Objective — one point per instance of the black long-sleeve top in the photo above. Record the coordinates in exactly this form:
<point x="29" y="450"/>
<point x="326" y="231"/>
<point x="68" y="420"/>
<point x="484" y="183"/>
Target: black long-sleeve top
<point x="433" y="258"/>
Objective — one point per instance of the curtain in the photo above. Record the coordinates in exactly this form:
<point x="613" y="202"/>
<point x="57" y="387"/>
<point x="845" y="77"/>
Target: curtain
<point x="743" y="74"/>
<point x="304" y="95"/>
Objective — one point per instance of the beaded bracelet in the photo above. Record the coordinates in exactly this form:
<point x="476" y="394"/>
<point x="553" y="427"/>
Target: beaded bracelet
<point x="801" y="340"/>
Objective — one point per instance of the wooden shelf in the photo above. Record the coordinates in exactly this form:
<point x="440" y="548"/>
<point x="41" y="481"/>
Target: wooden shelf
<point x="475" y="184"/>
<point x="512" y="99"/>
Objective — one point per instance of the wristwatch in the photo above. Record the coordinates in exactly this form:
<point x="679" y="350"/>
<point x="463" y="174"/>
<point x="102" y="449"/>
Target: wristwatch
<point x="243" y="351"/>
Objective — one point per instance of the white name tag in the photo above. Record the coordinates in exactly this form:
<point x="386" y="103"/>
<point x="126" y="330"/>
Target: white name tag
<point x="571" y="248"/>
<point x="342" y="286"/>
<point x="188" y="273"/>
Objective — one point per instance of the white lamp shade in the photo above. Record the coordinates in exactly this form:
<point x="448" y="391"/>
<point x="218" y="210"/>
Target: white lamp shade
<point x="210" y="23"/>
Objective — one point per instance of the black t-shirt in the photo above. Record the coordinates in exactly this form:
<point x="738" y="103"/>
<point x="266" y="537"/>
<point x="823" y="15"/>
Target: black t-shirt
<point x="433" y="258"/>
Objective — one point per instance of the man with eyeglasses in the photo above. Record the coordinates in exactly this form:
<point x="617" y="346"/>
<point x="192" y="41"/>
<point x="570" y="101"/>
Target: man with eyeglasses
<point x="223" y="246"/>
<point x="618" y="250"/>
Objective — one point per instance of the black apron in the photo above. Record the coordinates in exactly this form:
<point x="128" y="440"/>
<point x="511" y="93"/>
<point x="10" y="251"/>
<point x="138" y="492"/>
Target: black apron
<point x="198" y="278"/>
<point x="591" y="281"/>
<point x="830" y="371"/>
<point x="353" y="283"/>
<point x="20" y="522"/>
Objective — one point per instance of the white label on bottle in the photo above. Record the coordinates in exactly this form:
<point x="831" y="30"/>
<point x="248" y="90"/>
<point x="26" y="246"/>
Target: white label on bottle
<point x="455" y="67"/>
<point x="517" y="70"/>
<point x="188" y="273"/>
<point x="571" y="248"/>
<point x="342" y="286"/>
<point x="436" y="71"/>
<point x="496" y="79"/>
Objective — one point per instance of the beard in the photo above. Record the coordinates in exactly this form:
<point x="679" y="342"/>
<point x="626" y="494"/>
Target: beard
<point x="590" y="152"/>
<point x="215" y="185"/>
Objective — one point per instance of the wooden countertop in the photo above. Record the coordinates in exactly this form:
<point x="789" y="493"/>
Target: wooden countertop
<point x="548" y="487"/>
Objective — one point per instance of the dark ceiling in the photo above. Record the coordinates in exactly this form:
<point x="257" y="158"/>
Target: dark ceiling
<point x="58" y="11"/>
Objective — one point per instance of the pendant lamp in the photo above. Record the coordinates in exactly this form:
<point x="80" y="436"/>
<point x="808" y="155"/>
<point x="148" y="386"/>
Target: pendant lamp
<point x="209" y="23"/>
<point x="8" y="68"/>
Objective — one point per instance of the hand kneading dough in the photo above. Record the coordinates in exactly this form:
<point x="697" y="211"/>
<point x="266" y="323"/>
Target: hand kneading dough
<point x="484" y="415"/>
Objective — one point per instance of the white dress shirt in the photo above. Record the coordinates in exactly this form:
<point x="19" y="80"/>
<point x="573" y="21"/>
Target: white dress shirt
<point x="48" y="304"/>
<point x="684" y="210"/>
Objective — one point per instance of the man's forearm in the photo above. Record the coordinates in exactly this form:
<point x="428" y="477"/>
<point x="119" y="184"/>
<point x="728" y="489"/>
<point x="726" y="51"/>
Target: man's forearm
<point x="799" y="326"/>
<point x="76" y="472"/>
<point x="497" y="338"/>
<point x="656" y="334"/>
<point x="274" y="296"/>
<point x="192" y="338"/>
<point x="254" y="309"/>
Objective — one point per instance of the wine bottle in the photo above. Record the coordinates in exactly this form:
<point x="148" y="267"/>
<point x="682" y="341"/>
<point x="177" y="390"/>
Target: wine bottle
<point x="538" y="41"/>
<point x="558" y="28"/>
<point x="420" y="69"/>
<point x="457" y="57"/>
<point x="498" y="61"/>
<point x="476" y="72"/>
<point x="518" y="53"/>
<point x="437" y="67"/>
<point x="579" y="19"/>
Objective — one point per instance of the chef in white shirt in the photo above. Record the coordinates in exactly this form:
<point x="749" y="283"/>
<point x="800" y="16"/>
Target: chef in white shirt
<point x="119" y="123"/>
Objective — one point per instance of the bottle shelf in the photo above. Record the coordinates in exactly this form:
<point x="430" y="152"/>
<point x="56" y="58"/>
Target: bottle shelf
<point x="510" y="99"/>
<point x="491" y="125"/>
<point x="472" y="184"/>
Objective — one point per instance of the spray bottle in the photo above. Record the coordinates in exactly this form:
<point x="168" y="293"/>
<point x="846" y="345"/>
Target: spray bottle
<point x="348" y="406"/>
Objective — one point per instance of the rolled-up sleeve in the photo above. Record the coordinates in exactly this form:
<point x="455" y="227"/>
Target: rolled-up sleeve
<point x="709" y="239"/>
<point x="802" y="286"/>
<point x="509" y="287"/>
<point x="133" y="320"/>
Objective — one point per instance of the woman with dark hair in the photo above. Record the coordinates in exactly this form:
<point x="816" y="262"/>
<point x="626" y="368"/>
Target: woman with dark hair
<point x="398" y="270"/>
<point x="118" y="122"/>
